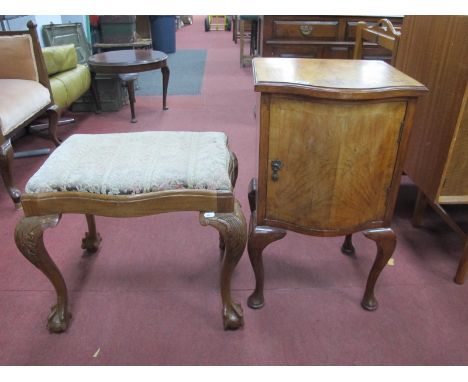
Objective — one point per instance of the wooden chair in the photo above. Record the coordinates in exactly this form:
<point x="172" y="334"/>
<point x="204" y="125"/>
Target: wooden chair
<point x="131" y="175"/>
<point x="25" y="95"/>
<point x="383" y="34"/>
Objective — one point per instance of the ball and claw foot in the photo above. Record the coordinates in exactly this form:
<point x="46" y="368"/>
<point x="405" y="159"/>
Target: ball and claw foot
<point x="58" y="320"/>
<point x="233" y="317"/>
<point x="255" y="301"/>
<point x="370" y="304"/>
<point x="91" y="242"/>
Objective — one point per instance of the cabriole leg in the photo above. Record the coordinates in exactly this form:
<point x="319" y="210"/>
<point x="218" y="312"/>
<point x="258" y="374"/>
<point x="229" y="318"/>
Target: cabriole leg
<point x="386" y="242"/>
<point x="6" y="159"/>
<point x="232" y="228"/>
<point x="92" y="238"/>
<point x="53" y="114"/>
<point x="259" y="238"/>
<point x="29" y="240"/>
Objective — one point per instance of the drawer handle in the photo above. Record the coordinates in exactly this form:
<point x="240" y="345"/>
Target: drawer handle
<point x="306" y="29"/>
<point x="276" y="165"/>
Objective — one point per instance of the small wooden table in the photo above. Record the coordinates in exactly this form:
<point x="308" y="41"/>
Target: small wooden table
<point x="333" y="136"/>
<point x="124" y="63"/>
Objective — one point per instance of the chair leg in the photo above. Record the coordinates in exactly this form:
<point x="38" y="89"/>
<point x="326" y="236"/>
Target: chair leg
<point x="53" y="114"/>
<point x="6" y="159"/>
<point x="30" y="241"/>
<point x="386" y="242"/>
<point x="232" y="228"/>
<point x="92" y="238"/>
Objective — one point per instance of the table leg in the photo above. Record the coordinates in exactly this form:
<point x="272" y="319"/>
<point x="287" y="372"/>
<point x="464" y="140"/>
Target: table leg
<point x="95" y="91"/>
<point x="165" y="73"/>
<point x="131" y="97"/>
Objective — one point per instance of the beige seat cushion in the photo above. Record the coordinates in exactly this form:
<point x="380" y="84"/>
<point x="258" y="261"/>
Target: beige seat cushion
<point x="19" y="101"/>
<point x="136" y="163"/>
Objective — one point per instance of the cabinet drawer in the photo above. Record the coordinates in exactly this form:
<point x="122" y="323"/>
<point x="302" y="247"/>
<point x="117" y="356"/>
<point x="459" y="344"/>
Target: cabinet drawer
<point x="299" y="50"/>
<point x="311" y="50"/>
<point x="305" y="30"/>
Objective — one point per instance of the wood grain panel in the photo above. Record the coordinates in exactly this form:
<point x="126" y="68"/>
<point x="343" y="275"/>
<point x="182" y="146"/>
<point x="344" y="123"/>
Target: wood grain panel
<point x="338" y="161"/>
<point x="456" y="173"/>
<point x="434" y="50"/>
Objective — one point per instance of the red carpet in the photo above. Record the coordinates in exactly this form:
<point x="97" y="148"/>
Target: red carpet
<point x="151" y="295"/>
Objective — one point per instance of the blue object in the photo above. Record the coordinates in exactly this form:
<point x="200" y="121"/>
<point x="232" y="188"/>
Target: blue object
<point x="187" y="68"/>
<point x="163" y="33"/>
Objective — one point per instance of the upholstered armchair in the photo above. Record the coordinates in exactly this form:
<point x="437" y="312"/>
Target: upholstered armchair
<point x="25" y="94"/>
<point x="69" y="80"/>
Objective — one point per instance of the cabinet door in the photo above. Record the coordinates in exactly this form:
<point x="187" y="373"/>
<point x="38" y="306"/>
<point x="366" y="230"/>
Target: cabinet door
<point x="337" y="162"/>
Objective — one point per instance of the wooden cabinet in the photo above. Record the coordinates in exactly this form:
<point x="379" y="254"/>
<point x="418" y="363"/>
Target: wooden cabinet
<point x="318" y="36"/>
<point x="434" y="50"/>
<point x="332" y="140"/>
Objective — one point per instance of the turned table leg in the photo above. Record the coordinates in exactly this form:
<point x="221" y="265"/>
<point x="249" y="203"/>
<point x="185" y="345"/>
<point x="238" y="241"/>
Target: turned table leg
<point x="165" y="74"/>
<point x="232" y="228"/>
<point x="131" y="97"/>
<point x="29" y="240"/>
<point x="386" y="242"/>
<point x="92" y="238"/>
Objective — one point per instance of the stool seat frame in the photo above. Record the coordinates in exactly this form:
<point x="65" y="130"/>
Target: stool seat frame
<point x="218" y="209"/>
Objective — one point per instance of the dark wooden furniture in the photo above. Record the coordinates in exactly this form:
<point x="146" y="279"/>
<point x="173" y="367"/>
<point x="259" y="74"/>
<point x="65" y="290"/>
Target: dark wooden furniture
<point x="139" y="44"/>
<point x="24" y="58"/>
<point x="383" y="34"/>
<point x="434" y="50"/>
<point x="333" y="136"/>
<point x="217" y="207"/>
<point x="129" y="61"/>
<point x="318" y="36"/>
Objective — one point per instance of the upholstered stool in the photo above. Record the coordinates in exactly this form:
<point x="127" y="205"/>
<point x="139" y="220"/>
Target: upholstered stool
<point x="129" y="175"/>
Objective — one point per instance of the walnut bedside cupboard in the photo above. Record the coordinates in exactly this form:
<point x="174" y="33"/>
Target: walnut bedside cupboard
<point x="333" y="136"/>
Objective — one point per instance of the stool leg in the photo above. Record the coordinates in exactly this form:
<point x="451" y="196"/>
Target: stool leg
<point x="131" y="97"/>
<point x="6" y="159"/>
<point x="165" y="74"/>
<point x="29" y="240"/>
<point x="232" y="227"/>
<point x="386" y="242"/>
<point x="92" y="238"/>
